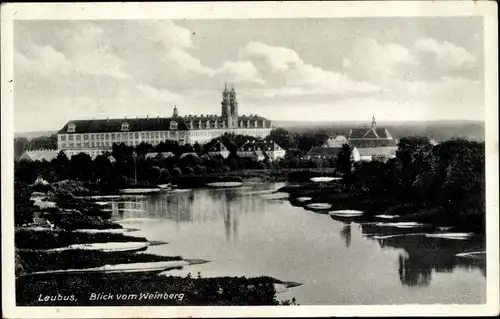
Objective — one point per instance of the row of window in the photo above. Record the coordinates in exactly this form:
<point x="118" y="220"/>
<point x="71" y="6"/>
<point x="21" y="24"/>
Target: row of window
<point x="208" y="125"/>
<point x="119" y="136"/>
<point x="137" y="135"/>
<point x="71" y="145"/>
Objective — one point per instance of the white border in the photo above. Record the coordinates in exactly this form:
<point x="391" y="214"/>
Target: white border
<point x="486" y="9"/>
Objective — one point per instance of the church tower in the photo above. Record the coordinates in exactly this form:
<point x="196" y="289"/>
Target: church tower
<point x="225" y="108"/>
<point x="234" y="103"/>
<point x="176" y="113"/>
<point x="374" y="123"/>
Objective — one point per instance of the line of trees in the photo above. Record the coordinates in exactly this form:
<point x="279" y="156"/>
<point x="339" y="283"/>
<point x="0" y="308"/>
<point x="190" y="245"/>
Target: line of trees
<point x="448" y="177"/>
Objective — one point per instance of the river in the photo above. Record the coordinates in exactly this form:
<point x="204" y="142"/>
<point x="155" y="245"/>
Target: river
<point x="249" y="232"/>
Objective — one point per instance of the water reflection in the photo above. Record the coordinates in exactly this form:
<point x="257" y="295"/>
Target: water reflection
<point x="346" y="234"/>
<point x="245" y="233"/>
<point x="423" y="255"/>
<point x="199" y="206"/>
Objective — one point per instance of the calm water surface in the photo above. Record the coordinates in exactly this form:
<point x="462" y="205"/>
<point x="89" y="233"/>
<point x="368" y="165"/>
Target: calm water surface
<point x="246" y="232"/>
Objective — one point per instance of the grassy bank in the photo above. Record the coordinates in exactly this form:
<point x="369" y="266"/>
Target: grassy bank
<point x="138" y="289"/>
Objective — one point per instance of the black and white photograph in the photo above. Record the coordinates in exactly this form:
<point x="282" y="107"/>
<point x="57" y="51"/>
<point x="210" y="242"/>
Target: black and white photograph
<point x="288" y="161"/>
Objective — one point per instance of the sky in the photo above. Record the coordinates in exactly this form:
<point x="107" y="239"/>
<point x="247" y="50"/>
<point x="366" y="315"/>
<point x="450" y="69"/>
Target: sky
<point x="311" y="69"/>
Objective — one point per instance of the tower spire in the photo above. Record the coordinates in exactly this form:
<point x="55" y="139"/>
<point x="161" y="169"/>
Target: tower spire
<point x="374" y="123"/>
<point x="175" y="111"/>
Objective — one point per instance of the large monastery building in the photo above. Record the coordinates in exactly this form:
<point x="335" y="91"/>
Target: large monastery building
<point x="96" y="136"/>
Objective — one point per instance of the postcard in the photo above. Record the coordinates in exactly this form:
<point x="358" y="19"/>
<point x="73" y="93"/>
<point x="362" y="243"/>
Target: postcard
<point x="254" y="159"/>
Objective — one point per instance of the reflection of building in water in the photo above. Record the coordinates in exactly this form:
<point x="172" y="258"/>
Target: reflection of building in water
<point x="412" y="272"/>
<point x="230" y="223"/>
<point x="424" y="255"/>
<point x="346" y="234"/>
<point x="176" y="207"/>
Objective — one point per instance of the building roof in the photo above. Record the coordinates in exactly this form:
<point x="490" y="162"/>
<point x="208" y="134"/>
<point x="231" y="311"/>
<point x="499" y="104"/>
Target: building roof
<point x="164" y="154"/>
<point x="375" y="133"/>
<point x="193" y="154"/>
<point x="216" y="145"/>
<point x="39" y="155"/>
<point x="337" y="141"/>
<point x="368" y="143"/>
<point x="265" y="145"/>
<point x="115" y="125"/>
<point x="325" y="151"/>
<point x="153" y="124"/>
<point x="378" y="151"/>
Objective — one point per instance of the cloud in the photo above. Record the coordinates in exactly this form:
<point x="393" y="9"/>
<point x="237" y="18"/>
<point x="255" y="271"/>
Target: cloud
<point x="371" y="60"/>
<point x="445" y="56"/>
<point x="155" y="94"/>
<point x="278" y="58"/>
<point x="290" y="74"/>
<point x="240" y="72"/>
<point x="169" y="34"/>
<point x="118" y="68"/>
<point x="82" y="54"/>
<point x="426" y="59"/>
<point x="185" y="62"/>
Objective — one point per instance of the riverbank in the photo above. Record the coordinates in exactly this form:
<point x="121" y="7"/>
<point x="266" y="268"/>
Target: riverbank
<point x="335" y="196"/>
<point x="70" y="249"/>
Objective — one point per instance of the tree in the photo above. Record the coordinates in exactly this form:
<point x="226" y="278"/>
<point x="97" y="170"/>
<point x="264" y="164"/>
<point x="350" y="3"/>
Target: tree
<point x="345" y="161"/>
<point x="81" y="167"/>
<point x="61" y="165"/>
<point x="283" y="138"/>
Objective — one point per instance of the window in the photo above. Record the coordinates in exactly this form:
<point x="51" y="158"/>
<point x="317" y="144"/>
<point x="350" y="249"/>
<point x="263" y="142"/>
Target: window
<point x="137" y="135"/>
<point x="86" y="137"/>
<point x="71" y="128"/>
<point x="63" y="137"/>
<point x="86" y="144"/>
<point x="63" y="145"/>
<point x="102" y="136"/>
<point x="162" y="134"/>
<point x="173" y="125"/>
<point x="107" y="136"/>
<point x="142" y="135"/>
<point x="113" y="136"/>
<point x="157" y="134"/>
<point x="78" y="144"/>
<point x="147" y="134"/>
<point x="118" y="136"/>
<point x="78" y="137"/>
<point x="124" y="126"/>
<point x="70" y="137"/>
<point x="131" y="135"/>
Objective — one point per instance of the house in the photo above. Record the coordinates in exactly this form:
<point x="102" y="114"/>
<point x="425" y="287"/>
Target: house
<point x="377" y="153"/>
<point x="331" y="152"/>
<point x="155" y="154"/>
<point x="373" y="142"/>
<point x="261" y="150"/>
<point x="39" y="155"/>
<point x="218" y="148"/>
